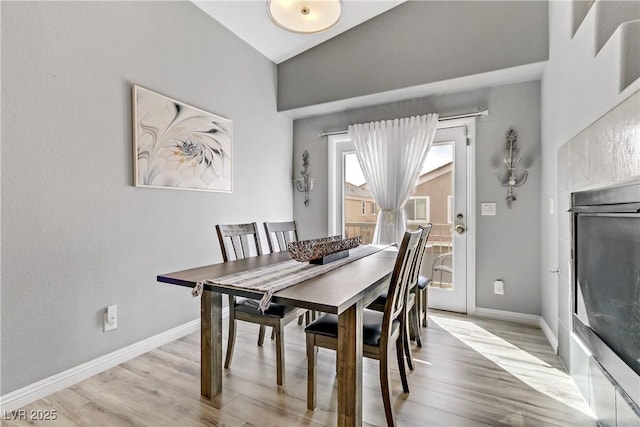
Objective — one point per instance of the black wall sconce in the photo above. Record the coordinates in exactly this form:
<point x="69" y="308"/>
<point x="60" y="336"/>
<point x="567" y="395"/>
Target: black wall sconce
<point x="511" y="178"/>
<point x="305" y="184"/>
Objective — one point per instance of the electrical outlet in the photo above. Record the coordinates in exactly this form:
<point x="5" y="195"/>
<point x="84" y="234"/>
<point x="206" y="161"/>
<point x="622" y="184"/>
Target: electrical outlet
<point x="498" y="287"/>
<point x="111" y="318"/>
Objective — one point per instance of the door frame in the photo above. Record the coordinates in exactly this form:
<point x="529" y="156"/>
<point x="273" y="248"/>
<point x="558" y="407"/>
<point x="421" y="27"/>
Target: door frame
<point x="333" y="189"/>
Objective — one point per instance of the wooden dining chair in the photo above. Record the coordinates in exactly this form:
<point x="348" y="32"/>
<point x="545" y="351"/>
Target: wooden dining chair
<point x="380" y="329"/>
<point x="421" y="289"/>
<point x="236" y="242"/>
<point x="279" y="234"/>
<point x="412" y="331"/>
<point x="423" y="298"/>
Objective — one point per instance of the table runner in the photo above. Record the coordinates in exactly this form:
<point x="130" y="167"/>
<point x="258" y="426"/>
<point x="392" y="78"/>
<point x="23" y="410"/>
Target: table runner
<point x="281" y="275"/>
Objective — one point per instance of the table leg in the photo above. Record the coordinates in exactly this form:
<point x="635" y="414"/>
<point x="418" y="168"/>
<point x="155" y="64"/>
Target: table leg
<point x="350" y="366"/>
<point x="211" y="344"/>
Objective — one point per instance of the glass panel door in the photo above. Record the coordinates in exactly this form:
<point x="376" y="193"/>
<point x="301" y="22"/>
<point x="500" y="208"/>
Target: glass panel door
<point x="446" y="259"/>
<point x="440" y="197"/>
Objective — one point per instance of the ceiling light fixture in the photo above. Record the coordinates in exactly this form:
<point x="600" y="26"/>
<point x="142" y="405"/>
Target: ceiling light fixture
<point x="304" y="17"/>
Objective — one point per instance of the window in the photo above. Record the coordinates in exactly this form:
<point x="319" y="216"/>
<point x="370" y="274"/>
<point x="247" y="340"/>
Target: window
<point x="353" y="209"/>
<point x="418" y="209"/>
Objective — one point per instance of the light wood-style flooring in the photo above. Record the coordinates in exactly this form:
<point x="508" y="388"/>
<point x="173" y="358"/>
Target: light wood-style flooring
<point x="470" y="372"/>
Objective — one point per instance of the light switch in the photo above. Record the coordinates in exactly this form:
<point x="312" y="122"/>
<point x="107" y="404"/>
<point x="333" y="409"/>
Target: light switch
<point x="488" y="209"/>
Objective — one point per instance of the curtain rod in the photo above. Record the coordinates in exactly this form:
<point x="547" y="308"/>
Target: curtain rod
<point x="484" y="112"/>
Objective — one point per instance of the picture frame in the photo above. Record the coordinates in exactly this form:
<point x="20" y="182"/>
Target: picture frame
<point x="178" y="146"/>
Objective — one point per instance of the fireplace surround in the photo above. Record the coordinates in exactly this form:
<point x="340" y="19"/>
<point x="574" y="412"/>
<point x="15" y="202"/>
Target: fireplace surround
<point x="606" y="281"/>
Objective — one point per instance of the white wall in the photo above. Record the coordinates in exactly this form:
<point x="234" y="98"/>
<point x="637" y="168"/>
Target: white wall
<point x="577" y="88"/>
<point x="76" y="235"/>
<point x="507" y="245"/>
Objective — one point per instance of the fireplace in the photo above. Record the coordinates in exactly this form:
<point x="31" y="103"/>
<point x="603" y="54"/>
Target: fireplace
<point x="606" y="280"/>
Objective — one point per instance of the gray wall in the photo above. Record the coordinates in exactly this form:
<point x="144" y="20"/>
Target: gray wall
<point x="76" y="236"/>
<point x="508" y="245"/>
<point x="415" y="43"/>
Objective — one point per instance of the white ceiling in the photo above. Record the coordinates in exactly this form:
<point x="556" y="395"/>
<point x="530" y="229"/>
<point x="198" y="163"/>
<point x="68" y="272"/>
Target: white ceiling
<point x="248" y="19"/>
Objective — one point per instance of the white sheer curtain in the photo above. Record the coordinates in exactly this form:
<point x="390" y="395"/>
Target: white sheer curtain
<point x="391" y="154"/>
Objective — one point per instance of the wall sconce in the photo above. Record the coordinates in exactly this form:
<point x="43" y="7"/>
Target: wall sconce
<point x="511" y="178"/>
<point x="305" y="184"/>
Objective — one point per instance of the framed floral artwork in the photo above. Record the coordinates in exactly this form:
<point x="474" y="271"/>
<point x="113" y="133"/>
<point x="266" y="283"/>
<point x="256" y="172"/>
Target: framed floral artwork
<point x="179" y="146"/>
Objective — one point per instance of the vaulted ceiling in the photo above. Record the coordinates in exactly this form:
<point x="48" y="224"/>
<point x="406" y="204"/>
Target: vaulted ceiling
<point x="249" y="21"/>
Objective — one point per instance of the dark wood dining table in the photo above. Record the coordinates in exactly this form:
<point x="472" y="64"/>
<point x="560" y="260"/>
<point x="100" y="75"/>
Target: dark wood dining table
<point x="344" y="291"/>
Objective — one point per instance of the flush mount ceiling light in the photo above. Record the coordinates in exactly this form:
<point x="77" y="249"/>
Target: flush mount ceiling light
<point x="304" y="17"/>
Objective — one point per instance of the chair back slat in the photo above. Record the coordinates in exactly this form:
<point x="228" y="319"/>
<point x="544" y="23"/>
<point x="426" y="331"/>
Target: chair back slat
<point x="400" y="279"/>
<point x="422" y="247"/>
<point x="237" y="240"/>
<point x="279" y="234"/>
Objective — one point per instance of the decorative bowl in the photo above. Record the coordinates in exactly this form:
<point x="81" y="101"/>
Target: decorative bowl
<point x="314" y="249"/>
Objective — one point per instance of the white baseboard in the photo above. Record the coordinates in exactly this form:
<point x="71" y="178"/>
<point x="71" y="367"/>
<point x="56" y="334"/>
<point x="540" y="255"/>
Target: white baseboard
<point x="508" y="316"/>
<point x="527" y="319"/>
<point x="546" y="330"/>
<point x="28" y="394"/>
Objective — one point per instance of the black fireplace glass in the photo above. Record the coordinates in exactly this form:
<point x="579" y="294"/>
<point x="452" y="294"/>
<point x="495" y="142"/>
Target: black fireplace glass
<point x="608" y="278"/>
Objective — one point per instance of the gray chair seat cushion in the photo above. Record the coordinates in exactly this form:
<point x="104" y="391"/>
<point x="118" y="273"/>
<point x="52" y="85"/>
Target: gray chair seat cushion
<point x="327" y="325"/>
<point x="248" y="305"/>
<point x="379" y="303"/>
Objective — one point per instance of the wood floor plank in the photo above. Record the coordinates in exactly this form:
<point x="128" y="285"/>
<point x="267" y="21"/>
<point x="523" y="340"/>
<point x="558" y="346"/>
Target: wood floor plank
<point x="469" y="372"/>
<point x="92" y="414"/>
<point x="66" y="400"/>
<point x="259" y="413"/>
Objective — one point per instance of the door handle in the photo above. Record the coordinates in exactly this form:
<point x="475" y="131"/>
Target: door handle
<point x="460" y="229"/>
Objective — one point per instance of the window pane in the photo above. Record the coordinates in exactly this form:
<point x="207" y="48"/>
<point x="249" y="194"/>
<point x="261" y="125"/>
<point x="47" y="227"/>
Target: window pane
<point x="359" y="207"/>
<point x="421" y="209"/>
<point x="410" y="209"/>
<point x="428" y="202"/>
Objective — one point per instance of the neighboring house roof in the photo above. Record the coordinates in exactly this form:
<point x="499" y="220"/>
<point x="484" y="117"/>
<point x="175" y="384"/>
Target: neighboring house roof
<point x="434" y="173"/>
<point x="352" y="191"/>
